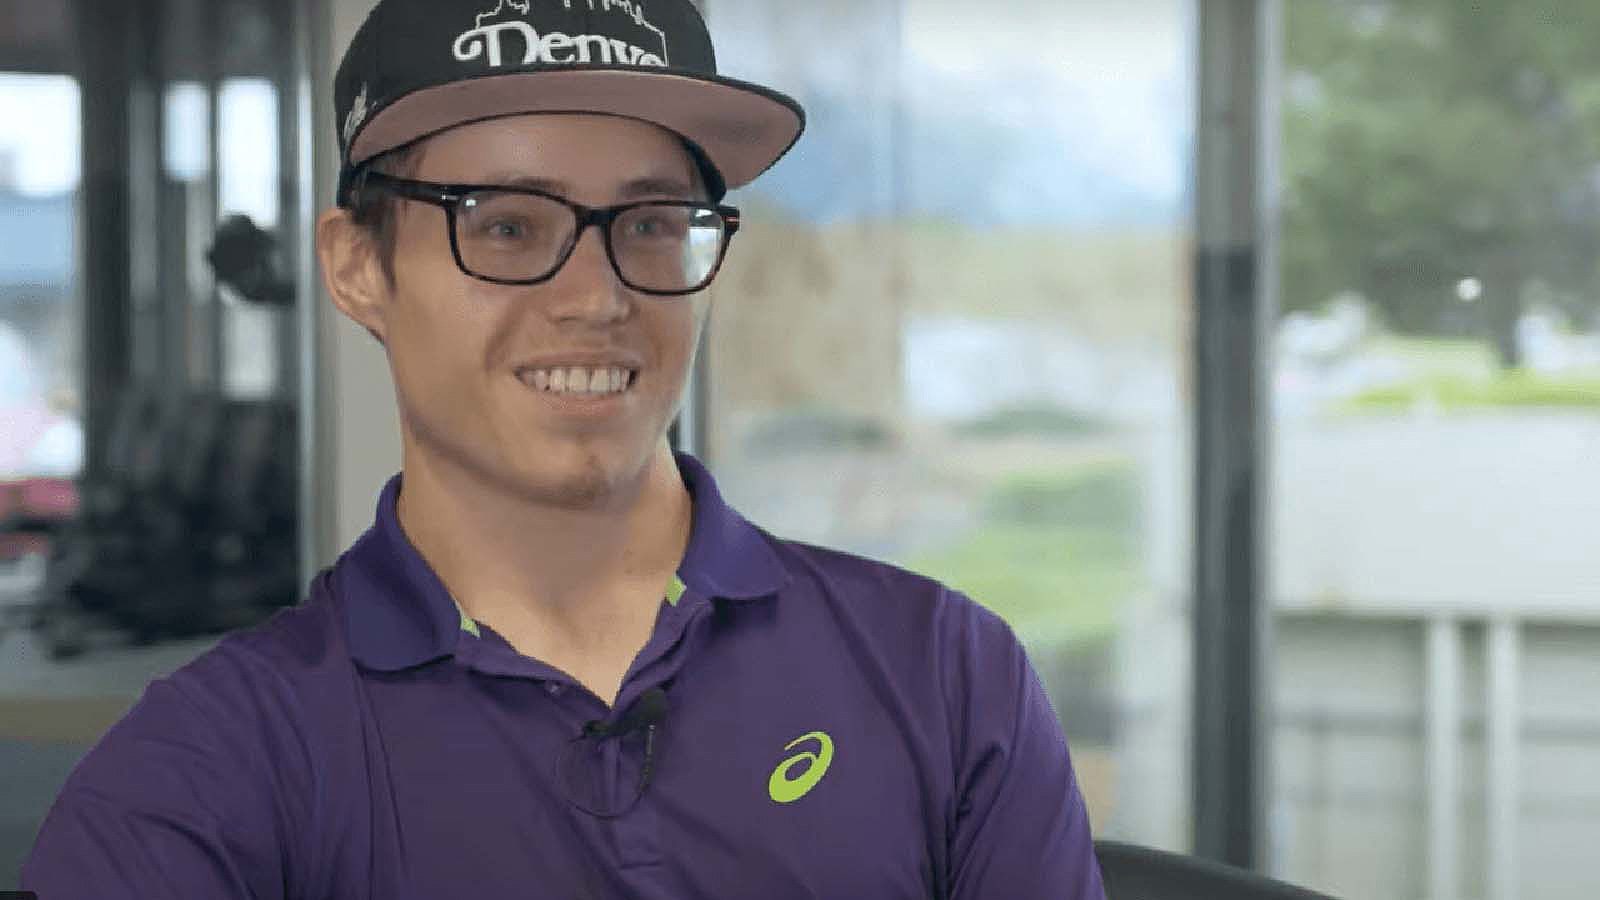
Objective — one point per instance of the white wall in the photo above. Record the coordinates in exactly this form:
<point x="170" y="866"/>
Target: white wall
<point x="358" y="427"/>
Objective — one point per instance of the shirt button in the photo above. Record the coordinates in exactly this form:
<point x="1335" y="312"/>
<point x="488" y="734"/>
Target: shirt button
<point x="552" y="687"/>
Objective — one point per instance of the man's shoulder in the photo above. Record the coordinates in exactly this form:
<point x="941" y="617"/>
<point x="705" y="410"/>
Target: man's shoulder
<point x="866" y="583"/>
<point x="259" y="701"/>
<point x="297" y="640"/>
<point x="848" y="569"/>
<point x="280" y="667"/>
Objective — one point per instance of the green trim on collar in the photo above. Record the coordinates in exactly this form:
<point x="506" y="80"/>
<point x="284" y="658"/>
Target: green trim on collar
<point x="467" y="624"/>
<point x="674" y="594"/>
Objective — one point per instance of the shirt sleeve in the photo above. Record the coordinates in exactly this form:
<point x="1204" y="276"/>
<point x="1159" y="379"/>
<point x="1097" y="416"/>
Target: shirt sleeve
<point x="166" y="805"/>
<point x="1020" y="828"/>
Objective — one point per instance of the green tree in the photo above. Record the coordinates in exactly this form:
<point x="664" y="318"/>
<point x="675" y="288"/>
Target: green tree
<point x="1430" y="141"/>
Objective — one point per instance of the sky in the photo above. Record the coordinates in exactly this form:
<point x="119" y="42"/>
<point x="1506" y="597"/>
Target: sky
<point x="1119" y="73"/>
<point x="1019" y="112"/>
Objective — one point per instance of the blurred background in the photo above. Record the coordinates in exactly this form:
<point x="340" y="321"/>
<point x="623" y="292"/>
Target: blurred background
<point x="1306" y="555"/>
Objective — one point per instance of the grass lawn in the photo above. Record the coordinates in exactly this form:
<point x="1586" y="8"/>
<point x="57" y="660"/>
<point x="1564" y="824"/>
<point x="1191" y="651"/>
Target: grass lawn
<point x="1462" y="374"/>
<point x="1052" y="584"/>
<point x="1505" y="390"/>
<point x="1437" y="357"/>
<point x="1056" y="554"/>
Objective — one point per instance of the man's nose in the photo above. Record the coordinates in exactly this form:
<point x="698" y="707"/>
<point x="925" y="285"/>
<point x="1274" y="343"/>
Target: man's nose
<point x="587" y="285"/>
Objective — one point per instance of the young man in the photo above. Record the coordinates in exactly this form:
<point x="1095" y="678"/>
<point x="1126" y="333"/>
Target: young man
<point x="559" y="665"/>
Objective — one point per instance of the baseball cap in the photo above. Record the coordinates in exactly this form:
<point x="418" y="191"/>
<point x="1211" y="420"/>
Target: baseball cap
<point x="419" y="67"/>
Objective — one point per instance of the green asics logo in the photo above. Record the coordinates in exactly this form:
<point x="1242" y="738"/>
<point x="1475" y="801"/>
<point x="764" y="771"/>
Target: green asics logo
<point x="782" y="788"/>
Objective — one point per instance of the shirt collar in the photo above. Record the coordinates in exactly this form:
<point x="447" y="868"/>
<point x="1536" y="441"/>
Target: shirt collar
<point x="398" y="614"/>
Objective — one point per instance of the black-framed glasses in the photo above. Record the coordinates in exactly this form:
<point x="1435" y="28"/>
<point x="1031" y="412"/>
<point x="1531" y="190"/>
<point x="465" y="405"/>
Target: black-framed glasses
<point x="516" y="235"/>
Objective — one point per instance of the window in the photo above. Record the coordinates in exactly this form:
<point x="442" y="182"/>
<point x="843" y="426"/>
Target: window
<point x="39" y="313"/>
<point x="952" y="335"/>
<point x="131" y="376"/>
<point x="1438" y="413"/>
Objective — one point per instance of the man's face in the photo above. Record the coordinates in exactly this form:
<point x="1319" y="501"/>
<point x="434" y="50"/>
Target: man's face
<point x="464" y="351"/>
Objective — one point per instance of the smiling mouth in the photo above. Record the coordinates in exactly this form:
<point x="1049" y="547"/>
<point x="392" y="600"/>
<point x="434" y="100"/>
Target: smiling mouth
<point x="579" y="382"/>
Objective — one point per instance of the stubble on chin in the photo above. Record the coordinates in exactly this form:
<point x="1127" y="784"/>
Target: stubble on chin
<point x="577" y="480"/>
<point x="563" y="480"/>
<point x="583" y="487"/>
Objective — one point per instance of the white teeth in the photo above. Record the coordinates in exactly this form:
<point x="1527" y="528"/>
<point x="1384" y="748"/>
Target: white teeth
<point x="574" y="380"/>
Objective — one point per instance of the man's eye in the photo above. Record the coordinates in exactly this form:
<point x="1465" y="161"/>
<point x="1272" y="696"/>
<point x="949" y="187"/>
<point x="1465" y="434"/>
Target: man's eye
<point x="507" y="229"/>
<point x="655" y="226"/>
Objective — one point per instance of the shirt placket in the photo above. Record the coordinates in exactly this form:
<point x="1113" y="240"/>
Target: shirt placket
<point x="637" y="833"/>
<point x="634" y="836"/>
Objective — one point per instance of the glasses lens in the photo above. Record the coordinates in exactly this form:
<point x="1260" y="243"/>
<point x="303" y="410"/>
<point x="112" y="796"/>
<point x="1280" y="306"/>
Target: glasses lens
<point x="511" y="236"/>
<point x="667" y="247"/>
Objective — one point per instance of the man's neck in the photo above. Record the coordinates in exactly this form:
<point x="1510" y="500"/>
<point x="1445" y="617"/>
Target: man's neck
<point x="515" y="563"/>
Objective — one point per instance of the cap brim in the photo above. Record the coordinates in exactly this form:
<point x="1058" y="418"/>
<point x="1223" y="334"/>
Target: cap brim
<point x="742" y="128"/>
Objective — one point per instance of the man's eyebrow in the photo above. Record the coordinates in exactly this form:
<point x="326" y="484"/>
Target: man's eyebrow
<point x="651" y="185"/>
<point x="646" y="186"/>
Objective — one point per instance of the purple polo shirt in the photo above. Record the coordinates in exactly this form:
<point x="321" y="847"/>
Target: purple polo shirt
<point x="834" y="727"/>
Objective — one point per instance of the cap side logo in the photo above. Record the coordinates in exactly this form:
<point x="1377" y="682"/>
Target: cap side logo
<point x="632" y="41"/>
<point x="357" y="115"/>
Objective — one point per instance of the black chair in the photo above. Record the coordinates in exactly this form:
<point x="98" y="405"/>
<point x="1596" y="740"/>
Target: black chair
<point x="1140" y="873"/>
<point x="190" y="531"/>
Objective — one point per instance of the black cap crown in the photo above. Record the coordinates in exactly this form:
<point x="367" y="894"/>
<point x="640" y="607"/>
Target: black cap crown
<point x="416" y="67"/>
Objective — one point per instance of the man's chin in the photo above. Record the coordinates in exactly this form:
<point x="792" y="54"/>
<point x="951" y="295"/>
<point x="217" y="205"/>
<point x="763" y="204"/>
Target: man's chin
<point x="577" y="481"/>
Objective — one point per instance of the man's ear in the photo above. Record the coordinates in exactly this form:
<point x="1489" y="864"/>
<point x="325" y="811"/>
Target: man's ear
<point x="352" y="271"/>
